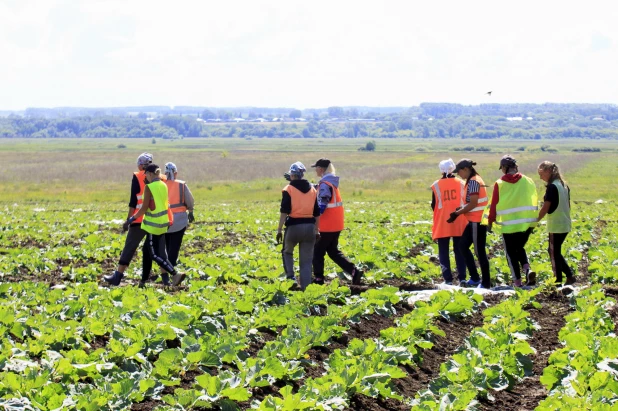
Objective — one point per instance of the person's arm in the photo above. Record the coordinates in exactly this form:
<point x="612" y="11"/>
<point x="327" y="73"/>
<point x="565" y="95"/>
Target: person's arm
<point x="473" y="192"/>
<point x="145" y="203"/>
<point x="495" y="197"/>
<point x="550" y="201"/>
<point x="189" y="200"/>
<point x="282" y="218"/>
<point x="544" y="210"/>
<point x="433" y="200"/>
<point x="324" y="195"/>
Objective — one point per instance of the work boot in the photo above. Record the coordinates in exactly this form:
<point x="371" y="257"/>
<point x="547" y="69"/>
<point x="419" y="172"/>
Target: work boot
<point x="141" y="284"/>
<point x="570" y="281"/>
<point x="357" y="275"/>
<point x="114" y="279"/>
<point x="530" y="278"/>
<point x="177" y="279"/>
<point x="165" y="279"/>
<point x="517" y="283"/>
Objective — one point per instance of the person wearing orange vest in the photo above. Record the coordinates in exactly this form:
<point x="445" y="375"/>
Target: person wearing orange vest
<point x="181" y="203"/>
<point x="447" y="197"/>
<point x="135" y="234"/>
<point x="331" y="224"/>
<point x="301" y="215"/>
<point x="475" y="233"/>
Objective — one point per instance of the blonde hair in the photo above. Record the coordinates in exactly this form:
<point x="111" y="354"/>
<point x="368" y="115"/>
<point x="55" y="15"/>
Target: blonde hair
<point x="554" y="171"/>
<point x="330" y="169"/>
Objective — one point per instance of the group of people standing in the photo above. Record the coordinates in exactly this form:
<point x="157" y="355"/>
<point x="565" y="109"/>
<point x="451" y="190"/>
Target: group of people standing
<point x="463" y="211"/>
<point x="313" y="216"/>
<point x="160" y="208"/>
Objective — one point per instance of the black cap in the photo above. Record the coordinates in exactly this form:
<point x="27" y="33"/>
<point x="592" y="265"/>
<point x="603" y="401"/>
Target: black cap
<point x="507" y="161"/>
<point x="151" y="168"/>
<point x="463" y="163"/>
<point x="323" y="162"/>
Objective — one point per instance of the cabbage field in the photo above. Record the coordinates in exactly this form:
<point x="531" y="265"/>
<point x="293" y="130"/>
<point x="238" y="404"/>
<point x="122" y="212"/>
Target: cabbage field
<point x="237" y="335"/>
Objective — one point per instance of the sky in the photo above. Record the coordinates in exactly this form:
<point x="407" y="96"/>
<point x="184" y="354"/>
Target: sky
<point x="306" y="54"/>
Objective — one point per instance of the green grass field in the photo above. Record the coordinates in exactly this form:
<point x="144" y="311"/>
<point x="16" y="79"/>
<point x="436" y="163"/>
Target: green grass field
<point x="219" y="169"/>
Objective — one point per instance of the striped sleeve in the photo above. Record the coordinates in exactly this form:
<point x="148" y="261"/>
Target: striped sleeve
<point x="473" y="187"/>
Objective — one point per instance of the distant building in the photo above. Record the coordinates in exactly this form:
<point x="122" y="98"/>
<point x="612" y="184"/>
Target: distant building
<point x="598" y="119"/>
<point x="514" y="118"/>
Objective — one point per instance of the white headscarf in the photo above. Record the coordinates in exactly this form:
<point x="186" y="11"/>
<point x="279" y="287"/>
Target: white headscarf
<point x="170" y="169"/>
<point x="447" y="166"/>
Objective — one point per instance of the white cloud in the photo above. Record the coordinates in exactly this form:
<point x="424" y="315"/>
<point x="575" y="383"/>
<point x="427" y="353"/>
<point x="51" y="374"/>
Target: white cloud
<point x="310" y="54"/>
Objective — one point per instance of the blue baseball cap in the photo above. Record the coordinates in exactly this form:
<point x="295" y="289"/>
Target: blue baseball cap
<point x="297" y="169"/>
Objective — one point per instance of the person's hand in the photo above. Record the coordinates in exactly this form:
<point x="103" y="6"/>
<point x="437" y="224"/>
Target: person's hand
<point x="317" y="236"/>
<point x="191" y="217"/>
<point x="453" y="217"/>
<point x="279" y="237"/>
<point x="489" y="228"/>
<point x="125" y="226"/>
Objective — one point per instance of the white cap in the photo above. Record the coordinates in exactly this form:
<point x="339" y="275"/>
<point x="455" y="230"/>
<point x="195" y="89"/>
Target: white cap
<point x="447" y="166"/>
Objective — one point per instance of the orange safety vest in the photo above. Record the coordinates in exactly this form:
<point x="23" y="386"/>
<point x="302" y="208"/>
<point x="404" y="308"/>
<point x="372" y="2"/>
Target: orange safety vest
<point x="140" y="195"/>
<point x="302" y="203"/>
<point x="449" y="194"/>
<point x="476" y="214"/>
<point x="176" y="195"/>
<point x="331" y="220"/>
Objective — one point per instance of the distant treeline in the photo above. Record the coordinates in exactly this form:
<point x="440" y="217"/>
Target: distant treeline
<point x="429" y="120"/>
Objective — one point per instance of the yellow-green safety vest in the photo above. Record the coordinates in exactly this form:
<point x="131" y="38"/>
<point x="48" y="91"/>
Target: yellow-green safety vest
<point x="517" y="208"/>
<point x="559" y="221"/>
<point x="156" y="222"/>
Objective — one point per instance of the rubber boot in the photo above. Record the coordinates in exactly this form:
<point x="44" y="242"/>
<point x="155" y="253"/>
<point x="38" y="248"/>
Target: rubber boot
<point x="114" y="279"/>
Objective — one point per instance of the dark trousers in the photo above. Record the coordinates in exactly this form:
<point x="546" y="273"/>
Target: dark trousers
<point x="445" y="258"/>
<point x="476" y="234"/>
<point x="154" y="249"/>
<point x="131" y="243"/>
<point x="514" y="245"/>
<point x="173" y="241"/>
<point x="558" y="263"/>
<point x="329" y="244"/>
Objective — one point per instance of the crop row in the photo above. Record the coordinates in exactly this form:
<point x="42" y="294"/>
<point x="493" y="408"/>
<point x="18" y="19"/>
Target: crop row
<point x="583" y="375"/>
<point x="494" y="357"/>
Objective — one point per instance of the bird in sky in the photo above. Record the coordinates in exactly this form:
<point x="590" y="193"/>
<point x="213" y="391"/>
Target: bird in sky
<point x="488" y="93"/>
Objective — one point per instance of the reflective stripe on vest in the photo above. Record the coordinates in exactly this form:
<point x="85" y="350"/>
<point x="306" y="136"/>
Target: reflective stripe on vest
<point x="302" y="203"/>
<point x="176" y="195"/>
<point x="157" y="221"/>
<point x="517" y="207"/>
<point x="476" y="214"/>
<point x="332" y="220"/>
<point x="448" y="193"/>
<point x="559" y="221"/>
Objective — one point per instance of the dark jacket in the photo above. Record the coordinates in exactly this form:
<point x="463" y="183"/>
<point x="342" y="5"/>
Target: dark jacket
<point x="286" y="203"/>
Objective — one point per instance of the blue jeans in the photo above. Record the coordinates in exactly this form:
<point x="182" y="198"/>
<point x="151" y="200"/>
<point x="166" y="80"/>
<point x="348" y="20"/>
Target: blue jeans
<point x="445" y="261"/>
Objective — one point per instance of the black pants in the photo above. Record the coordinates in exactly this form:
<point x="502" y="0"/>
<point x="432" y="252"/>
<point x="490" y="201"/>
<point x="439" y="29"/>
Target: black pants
<point x="558" y="263"/>
<point x="514" y="245"/>
<point x="476" y="234"/>
<point x="154" y="249"/>
<point x="131" y="243"/>
<point x="173" y="241"/>
<point x="329" y="244"/>
<point x="444" y="256"/>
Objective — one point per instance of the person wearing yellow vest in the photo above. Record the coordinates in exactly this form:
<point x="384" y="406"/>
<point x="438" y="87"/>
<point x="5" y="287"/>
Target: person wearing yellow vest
<point x="514" y="210"/>
<point x="181" y="203"/>
<point x="475" y="233"/>
<point x="301" y="215"/>
<point x="156" y="219"/>
<point x="331" y="224"/>
<point x="447" y="197"/>
<point x="557" y="208"/>
<point x="135" y="234"/>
